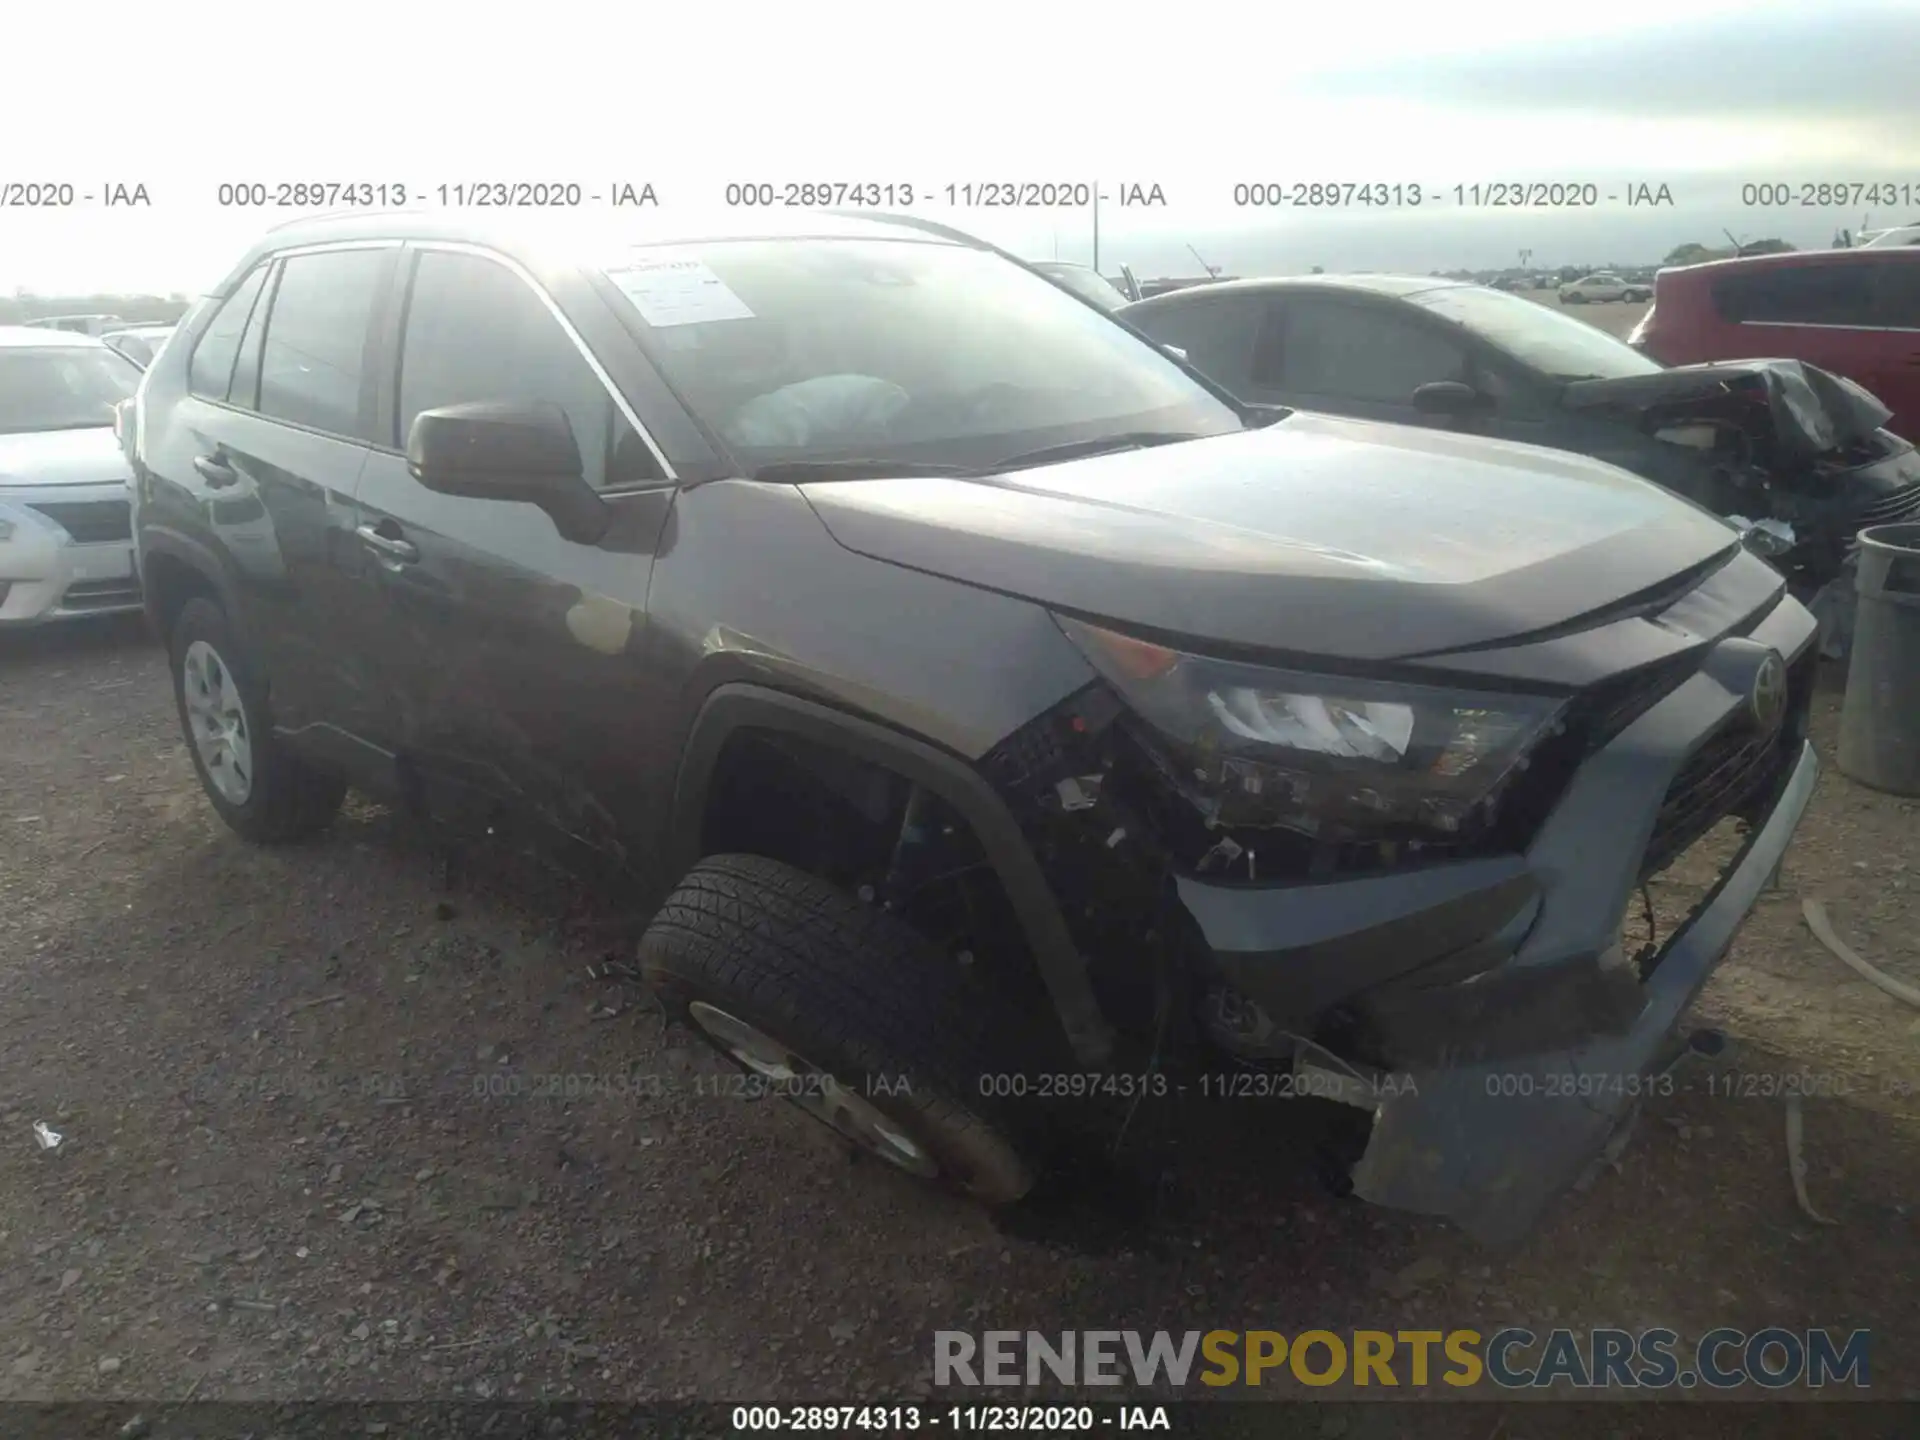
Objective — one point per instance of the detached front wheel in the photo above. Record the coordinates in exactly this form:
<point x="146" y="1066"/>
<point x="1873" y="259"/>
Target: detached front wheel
<point x="843" y="1010"/>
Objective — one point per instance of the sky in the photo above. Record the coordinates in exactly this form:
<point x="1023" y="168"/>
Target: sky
<point x="1704" y="98"/>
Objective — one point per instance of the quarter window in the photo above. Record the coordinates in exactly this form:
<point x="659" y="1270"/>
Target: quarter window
<point x="245" y="390"/>
<point x="476" y="332"/>
<point x="316" y="339"/>
<point x="212" y="365"/>
<point x="1217" y="332"/>
<point x="1897" y="294"/>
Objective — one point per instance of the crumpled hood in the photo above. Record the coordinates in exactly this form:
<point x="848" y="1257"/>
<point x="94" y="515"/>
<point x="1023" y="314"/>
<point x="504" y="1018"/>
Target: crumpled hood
<point x="1316" y="535"/>
<point x="61" y="457"/>
<point x="1813" y="411"/>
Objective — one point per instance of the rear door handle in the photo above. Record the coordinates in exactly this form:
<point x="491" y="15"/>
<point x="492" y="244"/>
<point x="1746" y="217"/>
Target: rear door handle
<point x="215" y="470"/>
<point x="393" y="547"/>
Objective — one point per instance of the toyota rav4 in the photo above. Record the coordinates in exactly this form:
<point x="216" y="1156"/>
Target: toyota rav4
<point x="971" y="691"/>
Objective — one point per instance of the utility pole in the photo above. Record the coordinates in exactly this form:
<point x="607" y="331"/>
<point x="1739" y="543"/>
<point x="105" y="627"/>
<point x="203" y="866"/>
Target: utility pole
<point x="1096" y="225"/>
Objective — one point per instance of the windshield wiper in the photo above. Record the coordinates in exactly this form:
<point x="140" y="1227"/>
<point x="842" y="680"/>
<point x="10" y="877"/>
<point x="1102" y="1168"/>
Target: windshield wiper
<point x="69" y="425"/>
<point x="797" y="472"/>
<point x="1076" y="449"/>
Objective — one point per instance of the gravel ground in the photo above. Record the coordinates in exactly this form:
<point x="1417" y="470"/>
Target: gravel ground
<point x="312" y="1148"/>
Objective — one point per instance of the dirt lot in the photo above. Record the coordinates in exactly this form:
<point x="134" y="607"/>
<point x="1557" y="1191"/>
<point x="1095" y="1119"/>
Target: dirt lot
<point x="304" y="1155"/>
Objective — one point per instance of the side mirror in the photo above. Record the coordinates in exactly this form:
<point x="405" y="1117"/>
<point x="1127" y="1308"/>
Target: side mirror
<point x="1453" y="399"/>
<point x="505" y="450"/>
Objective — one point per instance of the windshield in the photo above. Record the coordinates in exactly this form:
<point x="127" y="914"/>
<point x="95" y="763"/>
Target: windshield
<point x="45" y="388"/>
<point x="897" y="351"/>
<point x="1549" y="341"/>
<point x="1088" y="284"/>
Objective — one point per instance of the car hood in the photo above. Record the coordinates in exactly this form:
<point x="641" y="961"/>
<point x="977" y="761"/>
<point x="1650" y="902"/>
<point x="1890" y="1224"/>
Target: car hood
<point x="61" y="457"/>
<point x="1316" y="536"/>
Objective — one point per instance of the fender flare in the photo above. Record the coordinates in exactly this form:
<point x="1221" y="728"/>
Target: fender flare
<point x="185" y="550"/>
<point x="738" y="706"/>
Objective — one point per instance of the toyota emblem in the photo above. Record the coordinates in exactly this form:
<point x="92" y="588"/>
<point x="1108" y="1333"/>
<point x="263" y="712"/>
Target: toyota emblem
<point x="1767" y="700"/>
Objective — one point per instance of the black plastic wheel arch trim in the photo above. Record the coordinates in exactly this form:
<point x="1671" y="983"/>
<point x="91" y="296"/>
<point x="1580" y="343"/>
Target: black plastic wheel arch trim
<point x="737" y="706"/>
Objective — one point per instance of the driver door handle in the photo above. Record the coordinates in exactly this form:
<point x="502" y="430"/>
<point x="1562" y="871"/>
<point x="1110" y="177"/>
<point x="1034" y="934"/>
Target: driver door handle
<point x="391" y="547"/>
<point x="215" y="470"/>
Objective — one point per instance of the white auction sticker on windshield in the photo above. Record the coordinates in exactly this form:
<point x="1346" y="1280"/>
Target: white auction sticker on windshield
<point x="679" y="292"/>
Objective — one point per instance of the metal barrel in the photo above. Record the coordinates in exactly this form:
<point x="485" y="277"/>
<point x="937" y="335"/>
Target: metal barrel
<point x="1880" y="719"/>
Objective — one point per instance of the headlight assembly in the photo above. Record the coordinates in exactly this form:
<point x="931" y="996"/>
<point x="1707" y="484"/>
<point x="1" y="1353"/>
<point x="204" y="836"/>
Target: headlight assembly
<point x="12" y="519"/>
<point x="1323" y="755"/>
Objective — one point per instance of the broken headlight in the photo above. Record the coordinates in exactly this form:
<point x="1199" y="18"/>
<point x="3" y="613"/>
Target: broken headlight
<point x="1323" y="755"/>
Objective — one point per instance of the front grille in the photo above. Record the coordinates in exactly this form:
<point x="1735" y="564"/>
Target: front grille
<point x="91" y="522"/>
<point x="100" y="594"/>
<point x="1735" y="766"/>
<point x="1593" y="720"/>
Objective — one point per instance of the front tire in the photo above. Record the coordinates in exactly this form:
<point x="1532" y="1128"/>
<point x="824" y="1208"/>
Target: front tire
<point x="263" y="791"/>
<point x="844" y="1010"/>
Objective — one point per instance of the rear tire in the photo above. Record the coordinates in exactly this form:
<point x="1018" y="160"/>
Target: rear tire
<point x="844" y="1010"/>
<point x="264" y="792"/>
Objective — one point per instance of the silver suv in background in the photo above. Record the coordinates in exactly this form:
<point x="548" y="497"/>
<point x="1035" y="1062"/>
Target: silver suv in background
<point x="65" y="538"/>
<point x="139" y="343"/>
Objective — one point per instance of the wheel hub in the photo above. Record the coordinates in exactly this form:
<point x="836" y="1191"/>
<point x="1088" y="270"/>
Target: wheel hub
<point x="813" y="1089"/>
<point x="217" y="718"/>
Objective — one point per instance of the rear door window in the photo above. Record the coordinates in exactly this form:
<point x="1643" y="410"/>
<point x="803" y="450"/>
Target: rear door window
<point x="1362" y="352"/>
<point x="1832" y="295"/>
<point x="313" y="360"/>
<point x="211" y="369"/>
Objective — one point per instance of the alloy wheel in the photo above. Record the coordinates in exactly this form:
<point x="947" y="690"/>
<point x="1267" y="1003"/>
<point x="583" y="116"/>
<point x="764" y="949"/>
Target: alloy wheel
<point x="813" y="1089"/>
<point x="217" y="716"/>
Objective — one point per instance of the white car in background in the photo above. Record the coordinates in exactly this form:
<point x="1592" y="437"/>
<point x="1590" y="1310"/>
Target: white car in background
<point x="1898" y="235"/>
<point x="95" y="325"/>
<point x="1602" y="285"/>
<point x="66" y="544"/>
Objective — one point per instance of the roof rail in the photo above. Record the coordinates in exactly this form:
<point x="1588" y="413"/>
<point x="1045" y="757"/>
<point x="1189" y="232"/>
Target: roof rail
<point x="355" y="212"/>
<point x="915" y="222"/>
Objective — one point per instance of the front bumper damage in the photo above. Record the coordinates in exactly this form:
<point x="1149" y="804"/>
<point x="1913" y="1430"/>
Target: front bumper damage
<point x="1490" y="1145"/>
<point x="1518" y="1036"/>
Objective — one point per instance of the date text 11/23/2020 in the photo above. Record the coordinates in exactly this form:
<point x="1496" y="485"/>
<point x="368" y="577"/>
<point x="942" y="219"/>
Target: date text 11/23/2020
<point x="901" y="1419"/>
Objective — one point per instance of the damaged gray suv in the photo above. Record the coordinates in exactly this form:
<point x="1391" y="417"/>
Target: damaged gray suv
<point x="1002" y="724"/>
